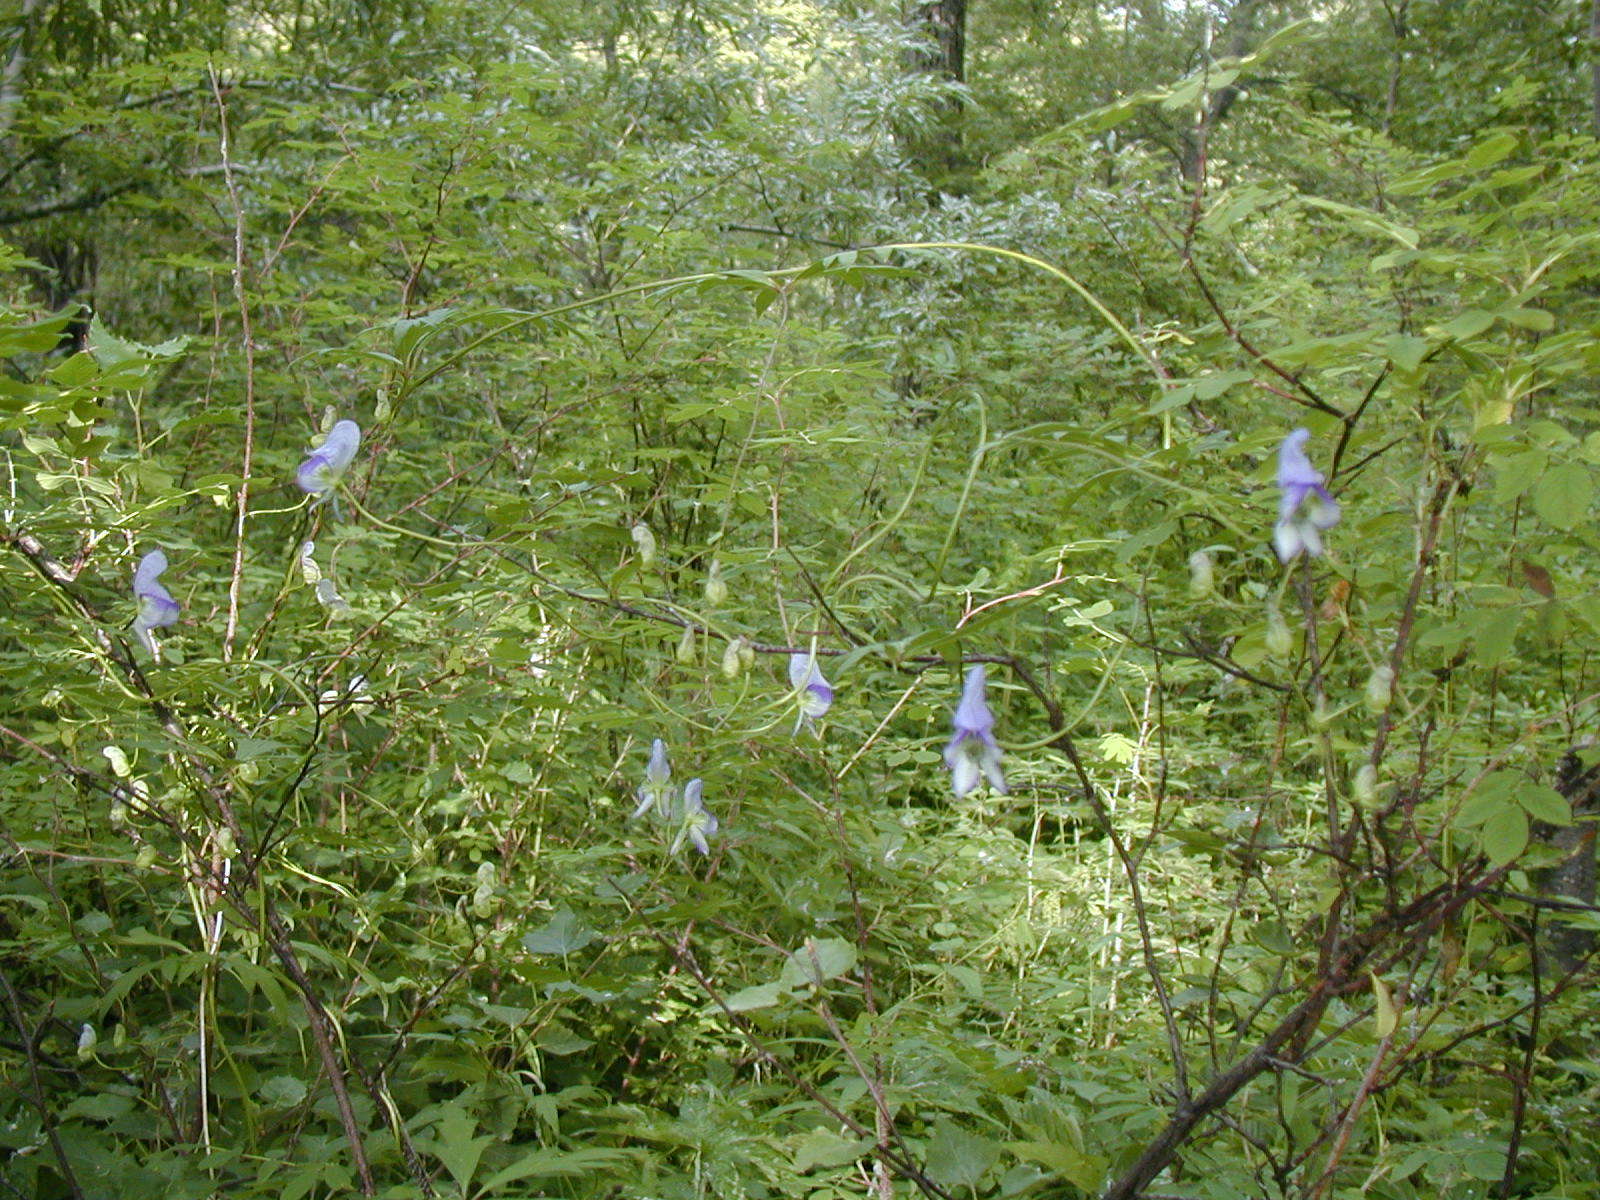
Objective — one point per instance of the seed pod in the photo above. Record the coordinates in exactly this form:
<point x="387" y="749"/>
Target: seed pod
<point x="716" y="590"/>
<point x="646" y="541"/>
<point x="1380" y="688"/>
<point x="686" y="648"/>
<point x="1202" y="575"/>
<point x="733" y="658"/>
<point x="1365" y="784"/>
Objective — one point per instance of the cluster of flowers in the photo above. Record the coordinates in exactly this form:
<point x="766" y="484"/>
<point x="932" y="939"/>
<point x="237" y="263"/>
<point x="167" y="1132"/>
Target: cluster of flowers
<point x="318" y="476"/>
<point x="972" y="751"/>
<point x="696" y="824"/>
<point x="1305" y="511"/>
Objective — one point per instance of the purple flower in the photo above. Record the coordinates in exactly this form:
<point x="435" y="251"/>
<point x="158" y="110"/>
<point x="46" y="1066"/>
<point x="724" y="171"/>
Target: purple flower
<point x="654" y="792"/>
<point x="321" y="473"/>
<point x="1305" y="509"/>
<point x="157" y="608"/>
<point x="815" y="692"/>
<point x="698" y="824"/>
<point x="973" y="751"/>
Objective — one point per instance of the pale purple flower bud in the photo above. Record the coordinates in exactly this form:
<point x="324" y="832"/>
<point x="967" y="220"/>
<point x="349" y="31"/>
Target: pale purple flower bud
<point x="1305" y="508"/>
<point x="157" y="608"/>
<point x="698" y="824"/>
<point x="320" y="473"/>
<point x="973" y="752"/>
<point x="654" y="792"/>
<point x="815" y="692"/>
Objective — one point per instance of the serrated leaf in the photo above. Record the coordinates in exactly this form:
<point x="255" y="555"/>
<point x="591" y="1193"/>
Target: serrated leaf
<point x="824" y="1148"/>
<point x="1505" y="835"/>
<point x="1562" y="497"/>
<point x="282" y="1091"/>
<point x="1496" y="633"/>
<point x="957" y="1158"/>
<point x="1544" y="803"/>
<point x="562" y="934"/>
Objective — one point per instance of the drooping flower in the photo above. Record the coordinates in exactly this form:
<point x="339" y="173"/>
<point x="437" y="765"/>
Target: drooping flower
<point x="973" y="752"/>
<point x="698" y="824"/>
<point x="328" y="596"/>
<point x="653" y="792"/>
<point x="309" y="571"/>
<point x="815" y="693"/>
<point x="1305" y="508"/>
<point x="321" y="472"/>
<point x="157" y="608"/>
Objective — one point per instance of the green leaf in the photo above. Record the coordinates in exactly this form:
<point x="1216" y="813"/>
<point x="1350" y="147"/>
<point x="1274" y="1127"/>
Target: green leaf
<point x="1505" y="836"/>
<point x="1496" y="633"/>
<point x="1562" y="497"/>
<point x="455" y="1146"/>
<point x="562" y="934"/>
<point x="818" y="961"/>
<point x="763" y="995"/>
<point x="282" y="1091"/>
<point x="551" y="1163"/>
<point x="1544" y="803"/>
<point x="824" y="1148"/>
<point x="957" y="1158"/>
<point x="1468" y="325"/>
<point x="1406" y="352"/>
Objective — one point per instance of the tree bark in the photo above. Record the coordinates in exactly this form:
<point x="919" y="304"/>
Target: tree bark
<point x="1594" y="60"/>
<point x="16" y="63"/>
<point x="941" y="53"/>
<point x="1573" y="878"/>
<point x="1193" y="139"/>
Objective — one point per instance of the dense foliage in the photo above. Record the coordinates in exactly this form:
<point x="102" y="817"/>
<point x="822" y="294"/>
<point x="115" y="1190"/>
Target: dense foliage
<point x="544" y="787"/>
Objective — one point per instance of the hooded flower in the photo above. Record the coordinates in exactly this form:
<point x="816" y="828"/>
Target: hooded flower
<point x="815" y="692"/>
<point x="157" y="608"/>
<point x="973" y="751"/>
<point x="321" y="473"/>
<point x="698" y="824"/>
<point x="653" y="792"/>
<point x="1305" y="509"/>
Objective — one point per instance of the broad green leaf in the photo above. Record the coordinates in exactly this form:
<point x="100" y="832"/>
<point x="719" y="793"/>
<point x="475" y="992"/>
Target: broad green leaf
<point x="824" y="1148"/>
<point x="1563" y="496"/>
<point x="1505" y="835"/>
<point x="762" y="995"/>
<point x="1496" y="633"/>
<point x="958" y="1158"/>
<point x="1544" y="803"/>
<point x="562" y="934"/>
<point x="817" y="961"/>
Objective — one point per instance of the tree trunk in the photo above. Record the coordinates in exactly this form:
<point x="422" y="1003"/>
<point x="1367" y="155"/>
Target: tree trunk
<point x="16" y="61"/>
<point x="1193" y="139"/>
<point x="1399" y="28"/>
<point x="941" y="52"/>
<point x="1594" y="60"/>
<point x="943" y="24"/>
<point x="1573" y="878"/>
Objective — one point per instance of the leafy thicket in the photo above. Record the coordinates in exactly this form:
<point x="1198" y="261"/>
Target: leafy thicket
<point x="669" y="365"/>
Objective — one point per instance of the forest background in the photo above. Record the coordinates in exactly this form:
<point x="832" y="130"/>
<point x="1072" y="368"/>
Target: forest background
<point x="688" y="339"/>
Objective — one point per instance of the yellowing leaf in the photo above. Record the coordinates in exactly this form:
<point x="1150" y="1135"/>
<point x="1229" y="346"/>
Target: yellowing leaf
<point x="1385" y="1016"/>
